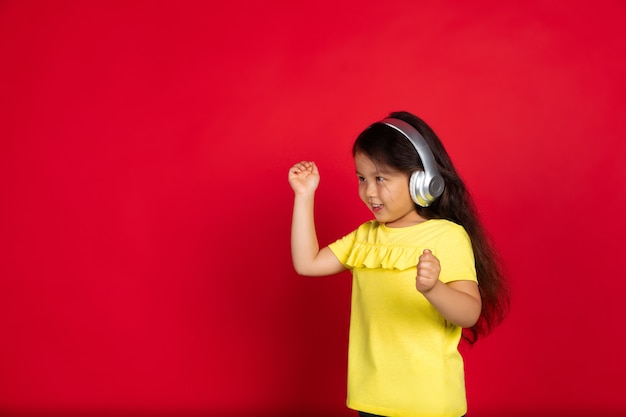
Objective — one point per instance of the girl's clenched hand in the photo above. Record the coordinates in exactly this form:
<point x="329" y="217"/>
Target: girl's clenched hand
<point x="428" y="269"/>
<point x="304" y="177"/>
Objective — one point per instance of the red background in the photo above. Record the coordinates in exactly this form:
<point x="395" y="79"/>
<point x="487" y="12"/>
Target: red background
<point x="145" y="211"/>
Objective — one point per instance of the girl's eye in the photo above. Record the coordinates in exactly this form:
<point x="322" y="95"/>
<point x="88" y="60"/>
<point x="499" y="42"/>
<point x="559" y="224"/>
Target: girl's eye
<point x="380" y="179"/>
<point x="361" y="179"/>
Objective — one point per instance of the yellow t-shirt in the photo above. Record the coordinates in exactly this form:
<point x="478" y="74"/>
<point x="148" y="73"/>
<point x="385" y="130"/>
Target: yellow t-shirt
<point x="403" y="357"/>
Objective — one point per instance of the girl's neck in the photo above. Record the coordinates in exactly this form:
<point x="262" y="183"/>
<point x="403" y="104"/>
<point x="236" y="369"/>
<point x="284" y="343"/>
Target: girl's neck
<point x="406" y="221"/>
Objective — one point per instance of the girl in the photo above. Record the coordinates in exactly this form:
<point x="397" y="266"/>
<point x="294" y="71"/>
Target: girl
<point x="416" y="269"/>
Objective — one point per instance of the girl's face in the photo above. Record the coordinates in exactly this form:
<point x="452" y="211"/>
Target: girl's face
<point x="386" y="193"/>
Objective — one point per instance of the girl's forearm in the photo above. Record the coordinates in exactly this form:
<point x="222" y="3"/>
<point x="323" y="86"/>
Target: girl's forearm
<point x="304" y="243"/>
<point x="458" y="302"/>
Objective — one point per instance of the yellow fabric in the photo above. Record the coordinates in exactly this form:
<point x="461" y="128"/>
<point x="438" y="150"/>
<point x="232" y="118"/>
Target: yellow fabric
<point x="403" y="356"/>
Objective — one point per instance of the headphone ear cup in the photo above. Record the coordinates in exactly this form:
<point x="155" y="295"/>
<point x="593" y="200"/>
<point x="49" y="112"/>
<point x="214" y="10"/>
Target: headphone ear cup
<point x="416" y="188"/>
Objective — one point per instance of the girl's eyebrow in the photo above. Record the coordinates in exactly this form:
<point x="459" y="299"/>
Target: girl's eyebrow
<point x="362" y="175"/>
<point x="381" y="170"/>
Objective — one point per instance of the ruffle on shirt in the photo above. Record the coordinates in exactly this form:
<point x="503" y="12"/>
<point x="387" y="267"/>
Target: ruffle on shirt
<point x="397" y="258"/>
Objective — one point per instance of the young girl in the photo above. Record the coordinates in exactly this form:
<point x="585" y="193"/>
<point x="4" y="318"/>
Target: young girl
<point x="423" y="270"/>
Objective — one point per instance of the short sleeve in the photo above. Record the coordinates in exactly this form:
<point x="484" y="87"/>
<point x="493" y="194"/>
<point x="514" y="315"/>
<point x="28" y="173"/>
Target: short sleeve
<point x="342" y="247"/>
<point x="455" y="254"/>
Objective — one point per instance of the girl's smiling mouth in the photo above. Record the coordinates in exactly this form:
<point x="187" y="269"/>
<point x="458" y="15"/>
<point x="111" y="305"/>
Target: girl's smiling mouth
<point x="377" y="207"/>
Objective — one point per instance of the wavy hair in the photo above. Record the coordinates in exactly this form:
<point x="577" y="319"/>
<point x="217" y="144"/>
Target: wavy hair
<point x="388" y="147"/>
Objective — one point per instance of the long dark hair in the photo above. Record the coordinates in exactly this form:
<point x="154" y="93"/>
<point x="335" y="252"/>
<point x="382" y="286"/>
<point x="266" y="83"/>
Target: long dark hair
<point x="388" y="147"/>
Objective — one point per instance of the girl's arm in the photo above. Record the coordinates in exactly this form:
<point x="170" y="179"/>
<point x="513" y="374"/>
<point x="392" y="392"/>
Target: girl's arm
<point x="307" y="257"/>
<point x="457" y="301"/>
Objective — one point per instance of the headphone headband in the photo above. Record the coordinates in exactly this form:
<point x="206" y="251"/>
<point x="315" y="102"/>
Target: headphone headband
<point x="428" y="185"/>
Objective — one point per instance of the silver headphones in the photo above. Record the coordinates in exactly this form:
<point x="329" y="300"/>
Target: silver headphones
<point x="424" y="186"/>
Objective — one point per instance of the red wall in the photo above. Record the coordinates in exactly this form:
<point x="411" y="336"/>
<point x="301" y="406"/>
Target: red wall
<point x="144" y="225"/>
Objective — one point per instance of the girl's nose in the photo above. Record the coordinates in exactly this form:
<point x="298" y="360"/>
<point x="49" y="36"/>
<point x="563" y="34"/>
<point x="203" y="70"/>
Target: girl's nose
<point x="370" y="191"/>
